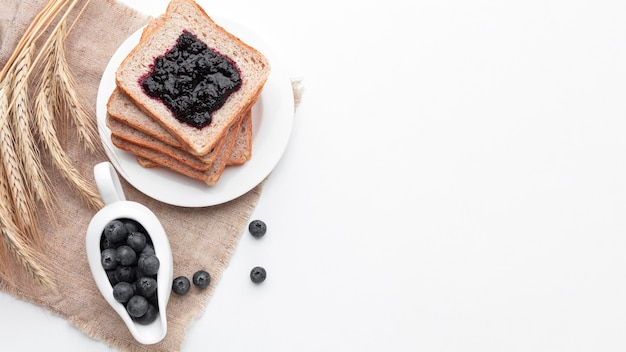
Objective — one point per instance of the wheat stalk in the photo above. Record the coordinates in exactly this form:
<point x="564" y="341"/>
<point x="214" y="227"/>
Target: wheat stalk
<point x="21" y="121"/>
<point x="37" y="27"/>
<point x="23" y="181"/>
<point x="32" y="33"/>
<point x="68" y="102"/>
<point x="22" y="200"/>
<point x="21" y="249"/>
<point x="44" y="113"/>
<point x="14" y="241"/>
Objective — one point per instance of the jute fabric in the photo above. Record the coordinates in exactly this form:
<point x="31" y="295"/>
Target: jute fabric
<point x="201" y="238"/>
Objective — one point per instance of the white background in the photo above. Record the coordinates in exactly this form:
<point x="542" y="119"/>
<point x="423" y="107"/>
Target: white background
<point x="455" y="181"/>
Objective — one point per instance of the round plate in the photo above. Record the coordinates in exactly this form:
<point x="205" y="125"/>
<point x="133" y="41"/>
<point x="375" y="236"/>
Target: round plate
<point x="272" y="120"/>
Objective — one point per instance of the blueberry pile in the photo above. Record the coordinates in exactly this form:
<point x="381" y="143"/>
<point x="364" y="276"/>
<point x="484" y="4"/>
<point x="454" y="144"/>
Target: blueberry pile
<point x="128" y="257"/>
<point x="192" y="80"/>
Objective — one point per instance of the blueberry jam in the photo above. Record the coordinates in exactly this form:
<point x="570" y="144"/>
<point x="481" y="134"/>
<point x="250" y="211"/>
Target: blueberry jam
<point x="192" y="80"/>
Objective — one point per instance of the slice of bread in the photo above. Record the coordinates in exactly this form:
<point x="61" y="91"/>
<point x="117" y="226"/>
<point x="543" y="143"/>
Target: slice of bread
<point x="120" y="108"/>
<point x="242" y="150"/>
<point x="186" y="15"/>
<point x="129" y="118"/>
<point x="125" y="132"/>
<point x="240" y="153"/>
<point x="146" y="163"/>
<point x="210" y="177"/>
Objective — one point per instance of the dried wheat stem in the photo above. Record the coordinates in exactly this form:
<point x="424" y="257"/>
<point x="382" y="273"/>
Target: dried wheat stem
<point x="23" y="252"/>
<point x="68" y="93"/>
<point x="13" y="239"/>
<point x="47" y="134"/>
<point x="34" y="30"/>
<point x="21" y="122"/>
<point x="80" y="13"/>
<point x="22" y="199"/>
<point x="46" y="18"/>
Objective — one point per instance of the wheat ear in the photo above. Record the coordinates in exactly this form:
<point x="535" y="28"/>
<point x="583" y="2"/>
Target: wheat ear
<point x="22" y="198"/>
<point x="69" y="94"/>
<point x="13" y="239"/>
<point x="21" y="121"/>
<point x="47" y="134"/>
<point x="69" y="101"/>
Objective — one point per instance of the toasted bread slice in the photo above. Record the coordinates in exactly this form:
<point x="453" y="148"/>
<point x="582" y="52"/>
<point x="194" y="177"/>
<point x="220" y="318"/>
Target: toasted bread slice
<point x="129" y="118"/>
<point x="241" y="151"/>
<point x="146" y="163"/>
<point x="125" y="132"/>
<point x="120" y="108"/>
<point x="186" y="15"/>
<point x="209" y="177"/>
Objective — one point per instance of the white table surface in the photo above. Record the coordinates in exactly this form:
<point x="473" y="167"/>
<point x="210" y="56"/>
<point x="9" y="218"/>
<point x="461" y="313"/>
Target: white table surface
<point x="455" y="181"/>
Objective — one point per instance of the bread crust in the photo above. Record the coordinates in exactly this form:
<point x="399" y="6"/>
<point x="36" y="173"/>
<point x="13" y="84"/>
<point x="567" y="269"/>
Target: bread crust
<point x="209" y="177"/>
<point x="240" y="153"/>
<point x="129" y="118"/>
<point x="126" y="133"/>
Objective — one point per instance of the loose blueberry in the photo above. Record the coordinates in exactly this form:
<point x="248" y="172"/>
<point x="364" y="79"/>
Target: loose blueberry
<point x="181" y="285"/>
<point x="136" y="241"/>
<point x="146" y="286"/>
<point x="115" y="231"/>
<point x="149" y="316"/>
<point x="137" y="306"/>
<point x="258" y="274"/>
<point x="257" y="228"/>
<point x="201" y="279"/>
<point x="126" y="255"/>
<point x="123" y="291"/>
<point x="148" y="264"/>
<point x="109" y="259"/>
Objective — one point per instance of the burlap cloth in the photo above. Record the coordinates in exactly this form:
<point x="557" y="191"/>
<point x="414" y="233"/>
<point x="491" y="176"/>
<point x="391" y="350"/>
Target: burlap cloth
<point x="201" y="238"/>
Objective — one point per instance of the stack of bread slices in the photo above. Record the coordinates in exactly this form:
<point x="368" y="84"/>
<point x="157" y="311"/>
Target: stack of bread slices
<point x="146" y="127"/>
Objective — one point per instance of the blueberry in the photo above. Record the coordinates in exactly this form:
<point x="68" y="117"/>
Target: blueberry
<point x="137" y="306"/>
<point x="126" y="255"/>
<point x="149" y="316"/>
<point x="146" y="286"/>
<point x="132" y="226"/>
<point x="201" y="279"/>
<point x="147" y="250"/>
<point x="109" y="259"/>
<point x="123" y="291"/>
<point x="125" y="273"/>
<point x="148" y="264"/>
<point x="257" y="228"/>
<point x="105" y="243"/>
<point x="115" y="231"/>
<point x="111" y="276"/>
<point x="258" y="274"/>
<point x="136" y="241"/>
<point x="181" y="285"/>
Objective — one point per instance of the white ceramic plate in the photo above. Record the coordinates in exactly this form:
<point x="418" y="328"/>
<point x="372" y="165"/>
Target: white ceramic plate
<point x="272" y="120"/>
